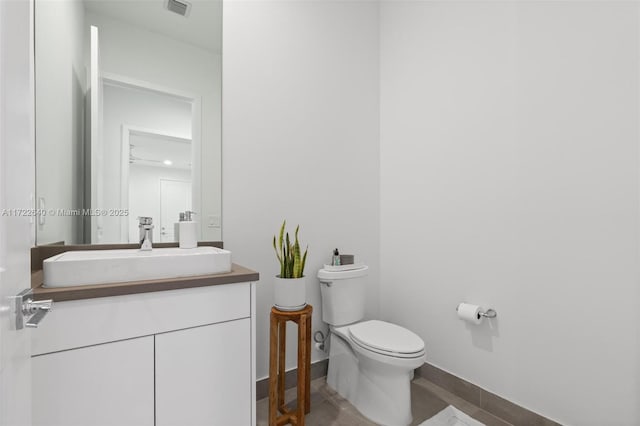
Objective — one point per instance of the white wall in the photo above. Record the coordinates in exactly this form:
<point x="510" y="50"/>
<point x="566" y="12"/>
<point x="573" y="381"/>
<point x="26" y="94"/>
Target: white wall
<point x="300" y="140"/>
<point x="509" y="178"/>
<point x="138" y="108"/>
<point x="60" y="87"/>
<point x="151" y="57"/>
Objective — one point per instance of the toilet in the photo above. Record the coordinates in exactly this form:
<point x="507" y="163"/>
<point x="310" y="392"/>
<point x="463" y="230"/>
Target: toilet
<point x="371" y="362"/>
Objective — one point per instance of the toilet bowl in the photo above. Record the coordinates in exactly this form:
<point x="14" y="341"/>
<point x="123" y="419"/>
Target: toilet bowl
<point x="371" y="362"/>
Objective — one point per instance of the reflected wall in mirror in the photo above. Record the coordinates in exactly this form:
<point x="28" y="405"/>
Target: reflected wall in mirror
<point x="128" y="118"/>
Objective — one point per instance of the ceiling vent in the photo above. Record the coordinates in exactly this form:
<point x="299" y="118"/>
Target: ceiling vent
<point x="180" y="7"/>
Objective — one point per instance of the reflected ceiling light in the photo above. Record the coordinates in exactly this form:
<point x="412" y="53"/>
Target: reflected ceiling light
<point x="168" y="162"/>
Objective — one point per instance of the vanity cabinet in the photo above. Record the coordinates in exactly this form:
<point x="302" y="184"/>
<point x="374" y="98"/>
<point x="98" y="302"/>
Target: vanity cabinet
<point x="180" y="357"/>
<point x="205" y="368"/>
<point x="98" y="385"/>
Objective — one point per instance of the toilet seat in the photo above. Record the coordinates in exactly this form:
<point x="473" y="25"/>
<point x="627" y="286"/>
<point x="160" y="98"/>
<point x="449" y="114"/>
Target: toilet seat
<point x="386" y="339"/>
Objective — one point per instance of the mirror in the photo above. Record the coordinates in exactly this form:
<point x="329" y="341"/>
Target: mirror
<point x="128" y="118"/>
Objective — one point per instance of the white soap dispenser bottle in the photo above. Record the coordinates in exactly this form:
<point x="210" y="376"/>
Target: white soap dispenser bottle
<point x="187" y="234"/>
<point x="176" y="228"/>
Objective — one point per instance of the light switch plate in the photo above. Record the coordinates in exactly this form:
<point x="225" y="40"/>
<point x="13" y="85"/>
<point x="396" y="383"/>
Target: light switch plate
<point x="214" y="221"/>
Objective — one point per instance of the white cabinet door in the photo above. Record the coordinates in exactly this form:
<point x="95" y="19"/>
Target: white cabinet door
<point x="203" y="376"/>
<point x="108" y="384"/>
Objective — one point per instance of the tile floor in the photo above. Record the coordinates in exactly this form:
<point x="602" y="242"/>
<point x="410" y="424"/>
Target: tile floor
<point x="330" y="409"/>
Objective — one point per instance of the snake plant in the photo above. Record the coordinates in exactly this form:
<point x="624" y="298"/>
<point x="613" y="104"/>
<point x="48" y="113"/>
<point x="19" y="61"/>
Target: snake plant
<point x="291" y="261"/>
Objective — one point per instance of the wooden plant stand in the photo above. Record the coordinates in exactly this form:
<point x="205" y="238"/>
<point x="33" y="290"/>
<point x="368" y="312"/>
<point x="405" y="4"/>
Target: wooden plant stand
<point x="277" y="350"/>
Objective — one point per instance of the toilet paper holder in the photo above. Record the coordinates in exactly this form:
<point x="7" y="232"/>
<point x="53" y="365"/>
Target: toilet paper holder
<point x="489" y="313"/>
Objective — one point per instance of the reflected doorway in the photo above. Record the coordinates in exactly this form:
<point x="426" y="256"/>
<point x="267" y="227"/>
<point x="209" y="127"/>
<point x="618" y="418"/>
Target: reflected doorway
<point x="159" y="183"/>
<point x="157" y="133"/>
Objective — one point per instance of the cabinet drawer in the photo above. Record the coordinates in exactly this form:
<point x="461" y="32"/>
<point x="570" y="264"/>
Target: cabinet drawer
<point x="87" y="322"/>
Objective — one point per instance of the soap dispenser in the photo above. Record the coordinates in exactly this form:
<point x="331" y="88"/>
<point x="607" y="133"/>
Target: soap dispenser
<point x="335" y="260"/>
<point x="176" y="228"/>
<point x="187" y="233"/>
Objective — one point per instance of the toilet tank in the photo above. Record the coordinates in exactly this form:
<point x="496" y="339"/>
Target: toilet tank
<point x="343" y="295"/>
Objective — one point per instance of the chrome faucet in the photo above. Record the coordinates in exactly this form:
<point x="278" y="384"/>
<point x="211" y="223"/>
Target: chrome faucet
<point x="146" y="234"/>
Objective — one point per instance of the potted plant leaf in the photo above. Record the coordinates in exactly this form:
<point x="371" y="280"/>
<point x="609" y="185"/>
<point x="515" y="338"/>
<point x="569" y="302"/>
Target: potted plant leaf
<point x="290" y="288"/>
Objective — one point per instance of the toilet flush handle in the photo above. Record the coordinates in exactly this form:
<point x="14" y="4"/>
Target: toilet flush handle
<point x="328" y="284"/>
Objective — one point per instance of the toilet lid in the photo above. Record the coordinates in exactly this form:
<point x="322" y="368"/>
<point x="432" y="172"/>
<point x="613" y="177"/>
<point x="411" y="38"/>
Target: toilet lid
<point x="387" y="337"/>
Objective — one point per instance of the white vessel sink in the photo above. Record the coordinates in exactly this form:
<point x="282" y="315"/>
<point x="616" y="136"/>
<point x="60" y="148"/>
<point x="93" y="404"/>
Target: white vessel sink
<point x="86" y="267"/>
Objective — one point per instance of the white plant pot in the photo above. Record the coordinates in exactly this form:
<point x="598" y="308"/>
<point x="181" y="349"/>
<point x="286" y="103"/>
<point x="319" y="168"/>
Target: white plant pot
<point x="290" y="293"/>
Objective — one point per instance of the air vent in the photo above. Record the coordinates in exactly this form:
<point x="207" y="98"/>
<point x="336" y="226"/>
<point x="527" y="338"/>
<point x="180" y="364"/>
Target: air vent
<point x="180" y="7"/>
